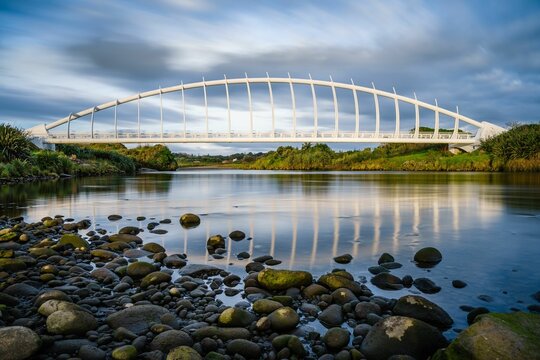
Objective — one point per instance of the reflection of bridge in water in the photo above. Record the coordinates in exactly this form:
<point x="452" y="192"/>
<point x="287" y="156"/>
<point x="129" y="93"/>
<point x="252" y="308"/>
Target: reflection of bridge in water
<point x="199" y="130"/>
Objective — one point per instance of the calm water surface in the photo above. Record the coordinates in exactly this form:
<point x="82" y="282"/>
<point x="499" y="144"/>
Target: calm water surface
<point x="487" y="226"/>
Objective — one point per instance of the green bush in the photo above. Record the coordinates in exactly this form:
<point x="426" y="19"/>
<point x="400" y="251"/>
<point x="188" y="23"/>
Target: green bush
<point x="520" y="142"/>
<point x="52" y="162"/>
<point x="14" y="143"/>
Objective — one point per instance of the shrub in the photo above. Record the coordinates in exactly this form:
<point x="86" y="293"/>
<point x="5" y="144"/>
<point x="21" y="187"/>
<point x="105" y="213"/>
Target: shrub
<point x="520" y="142"/>
<point x="14" y="143"/>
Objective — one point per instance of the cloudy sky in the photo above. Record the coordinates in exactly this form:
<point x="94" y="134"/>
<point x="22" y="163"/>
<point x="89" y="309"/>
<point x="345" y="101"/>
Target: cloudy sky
<point x="61" y="56"/>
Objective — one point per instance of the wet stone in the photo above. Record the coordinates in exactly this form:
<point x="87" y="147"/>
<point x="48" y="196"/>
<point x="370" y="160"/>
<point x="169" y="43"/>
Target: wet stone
<point x="458" y="284"/>
<point x="426" y="286"/>
<point x="343" y="259"/>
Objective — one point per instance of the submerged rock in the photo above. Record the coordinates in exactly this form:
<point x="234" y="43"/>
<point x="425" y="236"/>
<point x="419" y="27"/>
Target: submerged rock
<point x="497" y="336"/>
<point x="283" y="279"/>
<point x="399" y="335"/>
<point x="199" y="270"/>
<point x="428" y="257"/>
<point x="190" y="221"/>
<point x="426" y="286"/>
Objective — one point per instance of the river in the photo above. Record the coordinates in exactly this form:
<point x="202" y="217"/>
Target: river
<point x="487" y="226"/>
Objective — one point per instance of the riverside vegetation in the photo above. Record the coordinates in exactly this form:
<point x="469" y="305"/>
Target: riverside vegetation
<point x="70" y="292"/>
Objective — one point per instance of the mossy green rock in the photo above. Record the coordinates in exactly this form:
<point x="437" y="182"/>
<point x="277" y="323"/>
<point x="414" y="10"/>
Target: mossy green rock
<point x="283" y="279"/>
<point x="37" y="252"/>
<point x="190" y="221"/>
<point x="155" y="278"/>
<point x="51" y="222"/>
<point x="497" y="336"/>
<point x="70" y="322"/>
<point x="183" y="353"/>
<point x="8" y="236"/>
<point x="333" y="282"/>
<point x="12" y="265"/>
<point x="8" y="253"/>
<point x="235" y="317"/>
<point x="127" y="238"/>
<point x="74" y="240"/>
<point x="103" y="254"/>
<point x="265" y="306"/>
<point x="284" y="318"/>
<point x="153" y="247"/>
<point x="140" y="269"/>
<point x="126" y="352"/>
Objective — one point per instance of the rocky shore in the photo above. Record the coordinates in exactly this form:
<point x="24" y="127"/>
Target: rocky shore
<point x="67" y="292"/>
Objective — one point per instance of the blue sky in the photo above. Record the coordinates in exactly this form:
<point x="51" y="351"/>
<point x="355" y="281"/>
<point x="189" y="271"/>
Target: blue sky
<point x="58" y="57"/>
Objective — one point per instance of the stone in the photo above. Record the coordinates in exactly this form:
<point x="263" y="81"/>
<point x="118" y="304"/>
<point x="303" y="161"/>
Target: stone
<point x="313" y="290"/>
<point x="391" y="265"/>
<point x="155" y="278"/>
<point x="336" y="338"/>
<point x="137" y="319"/>
<point x="184" y="353"/>
<point x="266" y="306"/>
<point x="385" y="258"/>
<point x="427" y="257"/>
<point x="89" y="352"/>
<point x="387" y="281"/>
<point x="332" y="316"/>
<point x="12" y="265"/>
<point x="246" y="348"/>
<point x="69" y="346"/>
<point x="132" y="230"/>
<point x="104" y="274"/>
<point x="458" y="284"/>
<point x="74" y="240"/>
<point x="136" y="253"/>
<point x="342" y="296"/>
<point x="190" y="221"/>
<point x="426" y="286"/>
<point x="168" y="340"/>
<point x="422" y="309"/>
<point x="237" y="235"/>
<point x="497" y="336"/>
<point x="103" y="254"/>
<point x="221" y="333"/>
<point x="377" y="269"/>
<point x="363" y="309"/>
<point x="153" y="247"/>
<point x="127" y="238"/>
<point x="343" y="259"/>
<point x="199" y="270"/>
<point x="291" y="342"/>
<point x="18" y="343"/>
<point x="140" y="269"/>
<point x="215" y="242"/>
<point x="114" y="217"/>
<point x="51" y="306"/>
<point x="51" y="295"/>
<point x="272" y="279"/>
<point x="126" y="352"/>
<point x="21" y="290"/>
<point x="70" y="322"/>
<point x="399" y="335"/>
<point x="254" y="267"/>
<point x="235" y="317"/>
<point x="284" y="318"/>
<point x="174" y="262"/>
<point x="471" y="316"/>
<point x="335" y="281"/>
<point x="6" y="299"/>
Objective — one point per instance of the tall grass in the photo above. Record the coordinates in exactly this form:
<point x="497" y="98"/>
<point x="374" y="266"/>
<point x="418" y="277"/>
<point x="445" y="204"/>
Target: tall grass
<point x="14" y="143"/>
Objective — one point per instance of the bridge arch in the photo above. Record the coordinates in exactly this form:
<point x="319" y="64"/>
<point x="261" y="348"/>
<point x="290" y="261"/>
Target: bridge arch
<point x="316" y="134"/>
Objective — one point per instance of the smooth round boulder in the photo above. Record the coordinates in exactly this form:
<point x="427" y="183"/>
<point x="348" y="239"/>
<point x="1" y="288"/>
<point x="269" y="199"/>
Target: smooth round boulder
<point x="127" y="238"/>
<point x="183" y="353"/>
<point x="332" y="316"/>
<point x="336" y="338"/>
<point x="140" y="269"/>
<point x="422" y="309"/>
<point x="74" y="240"/>
<point x="343" y="259"/>
<point x="70" y="322"/>
<point x="103" y="254"/>
<point x="291" y="342"/>
<point x="387" y="281"/>
<point x="338" y="280"/>
<point x="385" y="258"/>
<point x="266" y="306"/>
<point x="137" y="319"/>
<point x="153" y="247"/>
<point x="427" y="286"/>
<point x="51" y="306"/>
<point x="155" y="278"/>
<point x="342" y="296"/>
<point x="132" y="230"/>
<point x="215" y="242"/>
<point x="400" y="335"/>
<point x="126" y="352"/>
<point x="363" y="309"/>
<point x="427" y="257"/>
<point x="235" y="317"/>
<point x="272" y="279"/>
<point x="168" y="340"/>
<point x="189" y="221"/>
<point x="284" y="318"/>
<point x="246" y="348"/>
<point x="18" y="343"/>
<point x="114" y="217"/>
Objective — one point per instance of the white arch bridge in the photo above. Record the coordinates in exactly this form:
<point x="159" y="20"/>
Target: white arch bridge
<point x="334" y="133"/>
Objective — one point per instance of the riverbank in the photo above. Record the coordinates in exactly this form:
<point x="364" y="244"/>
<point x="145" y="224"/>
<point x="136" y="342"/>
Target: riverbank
<point x="69" y="291"/>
